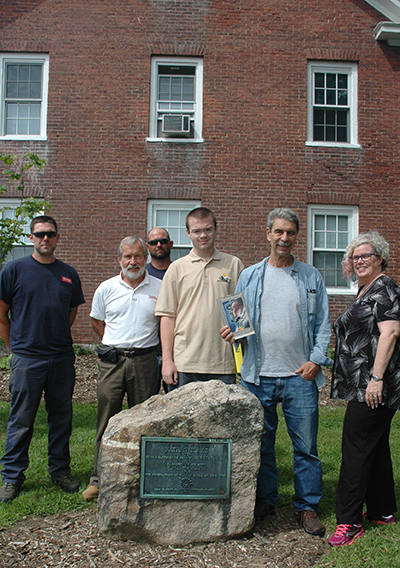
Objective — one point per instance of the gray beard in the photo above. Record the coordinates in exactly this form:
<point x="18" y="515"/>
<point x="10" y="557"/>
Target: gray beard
<point x="133" y="275"/>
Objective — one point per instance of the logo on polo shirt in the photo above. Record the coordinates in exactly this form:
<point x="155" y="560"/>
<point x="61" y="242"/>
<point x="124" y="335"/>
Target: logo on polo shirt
<point x="65" y="279"/>
<point x="224" y="278"/>
<point x="153" y="298"/>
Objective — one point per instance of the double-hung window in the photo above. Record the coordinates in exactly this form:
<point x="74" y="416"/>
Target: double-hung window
<point x="23" y="91"/>
<point x="330" y="229"/>
<point x="170" y="214"/>
<point x="176" y="99"/>
<point x="332" y="104"/>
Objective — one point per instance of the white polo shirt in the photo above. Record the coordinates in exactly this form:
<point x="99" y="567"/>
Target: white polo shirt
<point x="128" y="312"/>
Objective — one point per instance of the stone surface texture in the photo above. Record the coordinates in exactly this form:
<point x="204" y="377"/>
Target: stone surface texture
<point x="198" y="410"/>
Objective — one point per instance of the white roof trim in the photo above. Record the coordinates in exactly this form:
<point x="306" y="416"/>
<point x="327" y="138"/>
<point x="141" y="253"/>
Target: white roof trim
<point x="388" y="31"/>
<point x="389" y="8"/>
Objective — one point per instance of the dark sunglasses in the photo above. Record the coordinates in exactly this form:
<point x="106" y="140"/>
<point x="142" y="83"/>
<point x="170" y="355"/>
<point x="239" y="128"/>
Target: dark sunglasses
<point x="155" y="242"/>
<point x="43" y="234"/>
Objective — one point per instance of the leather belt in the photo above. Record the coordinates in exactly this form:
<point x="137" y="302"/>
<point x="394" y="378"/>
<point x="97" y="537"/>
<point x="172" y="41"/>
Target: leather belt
<point x="135" y="352"/>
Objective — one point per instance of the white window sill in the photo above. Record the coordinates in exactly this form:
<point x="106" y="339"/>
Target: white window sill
<point x="332" y="145"/>
<point x="341" y="291"/>
<point x="24" y="137"/>
<point x="177" y="140"/>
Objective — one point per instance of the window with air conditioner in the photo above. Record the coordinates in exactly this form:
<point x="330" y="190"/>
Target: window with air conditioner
<point x="176" y="99"/>
<point x="23" y="91"/>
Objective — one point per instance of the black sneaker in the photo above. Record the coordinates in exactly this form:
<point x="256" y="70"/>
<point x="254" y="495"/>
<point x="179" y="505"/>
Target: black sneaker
<point x="263" y="509"/>
<point x="9" y="491"/>
<point x="67" y="483"/>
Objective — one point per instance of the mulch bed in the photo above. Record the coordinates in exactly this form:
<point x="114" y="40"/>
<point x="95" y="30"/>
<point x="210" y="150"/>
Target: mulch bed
<point x="73" y="540"/>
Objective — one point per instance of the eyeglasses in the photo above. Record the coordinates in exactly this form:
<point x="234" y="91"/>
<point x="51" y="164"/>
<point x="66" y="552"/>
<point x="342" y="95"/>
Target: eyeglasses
<point x="198" y="232"/>
<point x="43" y="234"/>
<point x="363" y="257"/>
<point x="155" y="242"/>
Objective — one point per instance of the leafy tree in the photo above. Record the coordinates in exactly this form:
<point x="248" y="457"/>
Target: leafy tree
<point x="12" y="230"/>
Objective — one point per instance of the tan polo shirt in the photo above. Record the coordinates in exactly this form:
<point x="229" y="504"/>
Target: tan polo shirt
<point x="189" y="293"/>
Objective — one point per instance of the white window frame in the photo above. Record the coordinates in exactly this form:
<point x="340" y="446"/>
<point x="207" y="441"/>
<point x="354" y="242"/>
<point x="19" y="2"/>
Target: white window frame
<point x="182" y="245"/>
<point x="196" y="115"/>
<point x="29" y="59"/>
<point x="349" y="69"/>
<point x="351" y="211"/>
<point x="13" y="203"/>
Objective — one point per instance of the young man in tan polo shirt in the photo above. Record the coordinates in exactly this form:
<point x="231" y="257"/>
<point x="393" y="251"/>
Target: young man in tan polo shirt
<point x="192" y="348"/>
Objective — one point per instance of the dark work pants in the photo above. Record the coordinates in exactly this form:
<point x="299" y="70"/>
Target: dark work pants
<point x="137" y="377"/>
<point x="366" y="472"/>
<point x="186" y="378"/>
<point x="29" y="378"/>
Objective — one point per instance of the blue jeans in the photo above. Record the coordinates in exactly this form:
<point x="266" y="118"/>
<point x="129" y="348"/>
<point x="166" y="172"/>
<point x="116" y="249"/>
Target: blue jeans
<point x="299" y="399"/>
<point x="28" y="379"/>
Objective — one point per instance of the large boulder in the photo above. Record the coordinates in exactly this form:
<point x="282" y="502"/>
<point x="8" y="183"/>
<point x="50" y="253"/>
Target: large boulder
<point x="209" y="410"/>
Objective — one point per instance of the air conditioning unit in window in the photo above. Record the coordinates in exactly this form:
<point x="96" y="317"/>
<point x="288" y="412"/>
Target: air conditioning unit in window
<point x="176" y="124"/>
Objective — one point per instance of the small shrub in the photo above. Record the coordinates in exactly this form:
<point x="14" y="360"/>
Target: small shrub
<point x="84" y="349"/>
<point x="5" y="363"/>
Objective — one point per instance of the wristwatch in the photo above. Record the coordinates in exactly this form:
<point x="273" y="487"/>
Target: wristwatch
<point x="376" y="379"/>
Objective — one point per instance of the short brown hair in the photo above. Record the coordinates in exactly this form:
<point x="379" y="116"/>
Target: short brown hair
<point x="43" y="219"/>
<point x="200" y="213"/>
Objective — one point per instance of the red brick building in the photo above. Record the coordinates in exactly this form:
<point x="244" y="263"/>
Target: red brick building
<point x="144" y="109"/>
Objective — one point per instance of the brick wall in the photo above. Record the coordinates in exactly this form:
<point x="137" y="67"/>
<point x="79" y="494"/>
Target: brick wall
<point x="101" y="171"/>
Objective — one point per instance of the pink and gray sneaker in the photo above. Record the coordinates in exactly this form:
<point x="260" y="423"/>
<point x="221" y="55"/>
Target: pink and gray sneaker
<point x="345" y="535"/>
<point x="382" y="520"/>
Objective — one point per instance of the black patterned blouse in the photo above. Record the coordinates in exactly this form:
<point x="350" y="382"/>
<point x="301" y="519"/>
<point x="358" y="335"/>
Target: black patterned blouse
<point x="357" y="336"/>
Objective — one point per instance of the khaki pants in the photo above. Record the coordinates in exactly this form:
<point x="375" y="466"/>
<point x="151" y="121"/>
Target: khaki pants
<point x="136" y="376"/>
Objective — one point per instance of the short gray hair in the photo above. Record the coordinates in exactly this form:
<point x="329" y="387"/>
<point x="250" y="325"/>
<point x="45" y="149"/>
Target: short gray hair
<point x="372" y="238"/>
<point x="283" y="213"/>
<point x="130" y="241"/>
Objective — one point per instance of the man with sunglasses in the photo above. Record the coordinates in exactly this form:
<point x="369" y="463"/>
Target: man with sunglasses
<point x="39" y="299"/>
<point x="159" y="246"/>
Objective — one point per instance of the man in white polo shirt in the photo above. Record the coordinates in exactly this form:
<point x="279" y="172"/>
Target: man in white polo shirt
<point x="123" y="317"/>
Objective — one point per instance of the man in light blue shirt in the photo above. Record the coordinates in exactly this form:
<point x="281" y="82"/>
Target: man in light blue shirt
<point x="288" y="305"/>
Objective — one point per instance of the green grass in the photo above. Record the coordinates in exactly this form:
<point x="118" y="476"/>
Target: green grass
<point x="378" y="548"/>
<point x="39" y="496"/>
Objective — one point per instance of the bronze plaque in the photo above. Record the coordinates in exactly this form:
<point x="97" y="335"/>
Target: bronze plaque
<point x="185" y="468"/>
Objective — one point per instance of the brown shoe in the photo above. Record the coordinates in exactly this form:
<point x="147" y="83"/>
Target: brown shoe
<point x="262" y="510"/>
<point x="91" y="492"/>
<point x="309" y="521"/>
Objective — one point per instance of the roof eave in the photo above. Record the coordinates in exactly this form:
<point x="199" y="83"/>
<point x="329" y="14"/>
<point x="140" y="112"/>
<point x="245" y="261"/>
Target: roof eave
<point x="389" y="8"/>
<point x="389" y="32"/>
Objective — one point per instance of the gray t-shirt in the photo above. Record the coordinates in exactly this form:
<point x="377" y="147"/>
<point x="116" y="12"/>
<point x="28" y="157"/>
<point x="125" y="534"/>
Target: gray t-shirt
<point x="281" y="339"/>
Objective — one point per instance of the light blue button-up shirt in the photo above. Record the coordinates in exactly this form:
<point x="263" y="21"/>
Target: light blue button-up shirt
<point x="315" y="321"/>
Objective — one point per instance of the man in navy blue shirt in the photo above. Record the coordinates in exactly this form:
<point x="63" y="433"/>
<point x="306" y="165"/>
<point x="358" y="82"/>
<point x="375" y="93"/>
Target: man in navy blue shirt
<point x="159" y="246"/>
<point x="39" y="299"/>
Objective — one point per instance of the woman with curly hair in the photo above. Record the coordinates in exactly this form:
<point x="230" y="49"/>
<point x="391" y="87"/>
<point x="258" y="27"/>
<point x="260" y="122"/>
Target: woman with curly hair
<point x="366" y="373"/>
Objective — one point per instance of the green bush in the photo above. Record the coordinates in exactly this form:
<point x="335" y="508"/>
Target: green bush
<point x="5" y="362"/>
<point x="84" y="349"/>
